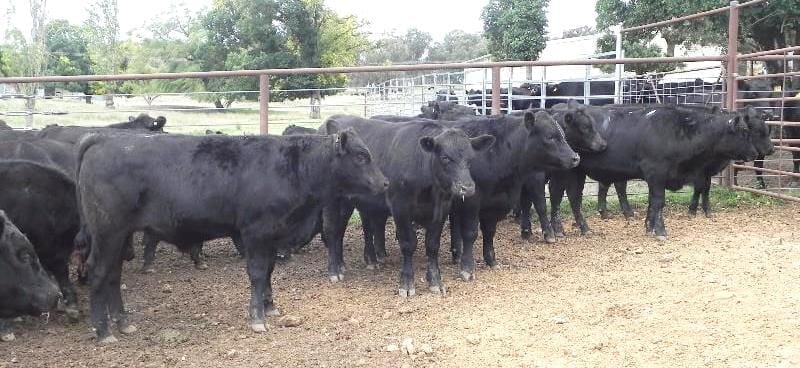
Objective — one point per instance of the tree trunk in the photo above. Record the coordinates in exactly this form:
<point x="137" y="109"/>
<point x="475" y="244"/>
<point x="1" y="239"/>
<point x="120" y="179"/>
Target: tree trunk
<point x="30" y="106"/>
<point x="88" y="99"/>
<point x="315" y="102"/>
<point x="218" y="104"/>
<point x="109" y="101"/>
<point x="670" y="49"/>
<point x="528" y="73"/>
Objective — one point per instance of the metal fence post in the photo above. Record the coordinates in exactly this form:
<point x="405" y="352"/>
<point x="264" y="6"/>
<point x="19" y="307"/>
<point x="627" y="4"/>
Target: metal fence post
<point x="263" y="103"/>
<point x="496" y="109"/>
<point x="619" y="67"/>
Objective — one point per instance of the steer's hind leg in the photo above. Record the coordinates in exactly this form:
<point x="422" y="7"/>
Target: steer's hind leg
<point x="60" y="271"/>
<point x="524" y="212"/>
<point x="6" y="332"/>
<point x="704" y="199"/>
<point x="336" y="216"/>
<point x="602" y="200"/>
<point x="657" y="193"/>
<point x="455" y="236"/>
<point x="557" y="189"/>
<point x="150" y="244"/>
<point x="408" y="244"/>
<point x="575" y="193"/>
<point x="540" y="205"/>
<point x="196" y="253"/>
<point x="257" y="271"/>
<point x="269" y="303"/>
<point x="433" y="235"/>
<point x="116" y="307"/>
<point x="105" y="263"/>
<point x="488" y="229"/>
<point x="622" y="195"/>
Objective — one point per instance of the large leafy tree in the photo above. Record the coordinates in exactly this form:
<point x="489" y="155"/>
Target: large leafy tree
<point x="104" y="41"/>
<point x="68" y="53"/>
<point x="458" y="46"/>
<point x="515" y="29"/>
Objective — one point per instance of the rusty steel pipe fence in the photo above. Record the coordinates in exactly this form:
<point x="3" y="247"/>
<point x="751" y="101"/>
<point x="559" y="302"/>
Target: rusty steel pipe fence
<point x="717" y="87"/>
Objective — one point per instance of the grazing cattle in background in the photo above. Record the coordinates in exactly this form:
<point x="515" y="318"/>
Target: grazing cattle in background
<point x="520" y="98"/>
<point x="664" y="145"/>
<point x="524" y="144"/>
<point x="575" y="91"/>
<point x="445" y="95"/>
<point x="439" y="110"/>
<point x="583" y="137"/>
<point x="25" y="287"/>
<point x="259" y="190"/>
<point x="72" y="134"/>
<point x="40" y="200"/>
<point x="428" y="166"/>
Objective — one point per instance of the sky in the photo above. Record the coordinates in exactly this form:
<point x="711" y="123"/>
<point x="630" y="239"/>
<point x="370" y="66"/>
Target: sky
<point x="435" y="17"/>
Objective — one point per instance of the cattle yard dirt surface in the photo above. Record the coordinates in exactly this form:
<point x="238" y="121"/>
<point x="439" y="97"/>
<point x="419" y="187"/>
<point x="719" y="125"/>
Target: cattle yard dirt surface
<point x="721" y="292"/>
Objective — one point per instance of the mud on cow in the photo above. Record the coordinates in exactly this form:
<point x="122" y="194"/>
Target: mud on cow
<point x="25" y="287"/>
<point x="258" y="190"/>
<point x="428" y="166"/>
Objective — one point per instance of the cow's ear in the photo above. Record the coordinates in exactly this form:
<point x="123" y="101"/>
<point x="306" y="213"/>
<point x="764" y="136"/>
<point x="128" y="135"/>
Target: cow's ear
<point x="530" y="121"/>
<point x="160" y="122"/>
<point x="572" y="104"/>
<point x="341" y="141"/>
<point x="482" y="143"/>
<point x="428" y="144"/>
<point x="569" y="118"/>
<point x="331" y="127"/>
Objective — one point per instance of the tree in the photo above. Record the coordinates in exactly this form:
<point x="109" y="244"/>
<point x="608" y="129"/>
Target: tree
<point x="515" y="29"/>
<point x="103" y="26"/>
<point x="68" y="54"/>
<point x="319" y="38"/>
<point x="458" y="46"/>
<point x="578" y="32"/>
<point x="633" y="49"/>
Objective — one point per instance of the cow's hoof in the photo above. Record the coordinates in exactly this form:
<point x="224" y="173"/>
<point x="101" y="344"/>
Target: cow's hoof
<point x="407" y="293"/>
<point x="661" y="238"/>
<point x="272" y="312"/>
<point x="550" y="239"/>
<point x="127" y="329"/>
<point x="467" y="276"/>
<point x="605" y="216"/>
<point x="148" y="270"/>
<point x="560" y="234"/>
<point x="8" y="337"/>
<point x="438" y="290"/>
<point x="108" y="340"/>
<point x="73" y="314"/>
<point x="336" y="278"/>
<point x="526" y="234"/>
<point x="709" y="215"/>
<point x="259" y="327"/>
<point x="372" y="267"/>
<point x="201" y="266"/>
<point x="691" y="214"/>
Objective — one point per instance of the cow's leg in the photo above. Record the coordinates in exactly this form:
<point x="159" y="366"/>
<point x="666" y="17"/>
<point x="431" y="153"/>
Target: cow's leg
<point x="257" y="264"/>
<point x="468" y="229"/>
<point x="196" y="253"/>
<point x="759" y="163"/>
<point x="379" y="236"/>
<point x="557" y="189"/>
<point x="6" y="332"/>
<point x="240" y="249"/>
<point x="602" y="195"/>
<point x="370" y="256"/>
<point x="655" y="212"/>
<point x="433" y="235"/>
<point x="575" y="194"/>
<point x="540" y="205"/>
<point x="456" y="245"/>
<point x="335" y="220"/>
<point x="150" y="244"/>
<point x="104" y="258"/>
<point x="695" y="201"/>
<point x="60" y="270"/>
<point x="488" y="229"/>
<point x="269" y="303"/>
<point x="705" y="200"/>
<point x="408" y="244"/>
<point x="116" y="307"/>
<point x="622" y="196"/>
<point x="524" y="211"/>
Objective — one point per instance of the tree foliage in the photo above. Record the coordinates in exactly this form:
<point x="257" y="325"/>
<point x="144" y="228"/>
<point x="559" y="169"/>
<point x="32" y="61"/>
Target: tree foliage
<point x="515" y="29"/>
<point x="67" y="53"/>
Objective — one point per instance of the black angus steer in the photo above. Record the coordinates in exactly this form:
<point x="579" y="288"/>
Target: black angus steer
<point x="664" y="145"/>
<point x="524" y="144"/>
<point x="574" y="90"/>
<point x="48" y="152"/>
<point x="40" y="200"/>
<point x="298" y="130"/>
<point x="25" y="286"/>
<point x="261" y="190"/>
<point x="582" y="132"/>
<point x="428" y="166"/>
<point x="72" y="134"/>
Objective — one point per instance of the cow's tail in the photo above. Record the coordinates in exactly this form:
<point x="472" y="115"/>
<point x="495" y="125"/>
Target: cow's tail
<point x="83" y="241"/>
<point x="84" y="144"/>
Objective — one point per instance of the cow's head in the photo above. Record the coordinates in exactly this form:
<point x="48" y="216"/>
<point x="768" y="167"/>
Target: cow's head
<point x="353" y="167"/>
<point x="546" y="144"/>
<point x="24" y="284"/>
<point x="580" y="129"/>
<point x="759" y="131"/>
<point x="451" y="152"/>
<point x="735" y="142"/>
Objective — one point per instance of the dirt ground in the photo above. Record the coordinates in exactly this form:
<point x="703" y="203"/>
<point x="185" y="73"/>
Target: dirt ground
<point x="721" y="292"/>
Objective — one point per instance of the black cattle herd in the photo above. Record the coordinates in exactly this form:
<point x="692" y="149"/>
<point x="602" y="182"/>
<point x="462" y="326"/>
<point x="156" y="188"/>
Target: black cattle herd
<point x="76" y="195"/>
